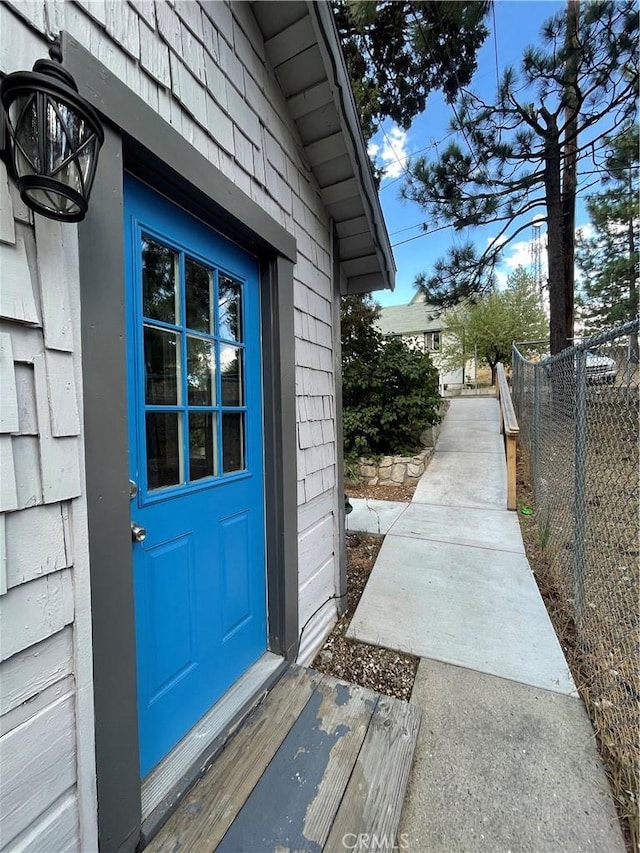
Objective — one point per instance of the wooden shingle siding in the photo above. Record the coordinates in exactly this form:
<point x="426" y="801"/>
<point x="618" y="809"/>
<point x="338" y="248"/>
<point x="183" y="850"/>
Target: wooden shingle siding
<point x="24" y="759"/>
<point x="97" y="9"/>
<point x="42" y="700"/>
<point x="8" y="486"/>
<point x="7" y="225"/>
<point x="9" y="421"/>
<point x="27" y="472"/>
<point x="29" y="673"/>
<point x="316" y="547"/>
<point x="35" y="544"/>
<point x="154" y="55"/>
<point x="59" y="457"/>
<point x="59" y="246"/>
<point x="3" y="554"/>
<point x="22" y="52"/>
<point x="58" y="830"/>
<point x="34" y="611"/>
<point x="203" y="67"/>
<point x="61" y="392"/>
<point x="26" y="394"/>
<point x="17" y="301"/>
<point x="40" y="431"/>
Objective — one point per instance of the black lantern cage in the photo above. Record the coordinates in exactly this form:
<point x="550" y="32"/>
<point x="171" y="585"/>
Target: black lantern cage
<point x="55" y="137"/>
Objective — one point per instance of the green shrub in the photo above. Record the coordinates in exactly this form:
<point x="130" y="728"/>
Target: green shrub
<point x="390" y="390"/>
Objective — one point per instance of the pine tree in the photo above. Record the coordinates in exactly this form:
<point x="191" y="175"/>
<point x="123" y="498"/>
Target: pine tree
<point x="398" y="52"/>
<point x="516" y="156"/>
<point x="608" y="256"/>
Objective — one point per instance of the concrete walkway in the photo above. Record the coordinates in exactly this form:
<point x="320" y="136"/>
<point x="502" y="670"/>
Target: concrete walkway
<point x="506" y="758"/>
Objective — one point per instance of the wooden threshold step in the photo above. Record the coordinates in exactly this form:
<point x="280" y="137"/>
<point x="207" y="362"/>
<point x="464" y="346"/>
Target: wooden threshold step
<point x="319" y="765"/>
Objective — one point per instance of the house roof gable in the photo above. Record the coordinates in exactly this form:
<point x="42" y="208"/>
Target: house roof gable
<point x="411" y="319"/>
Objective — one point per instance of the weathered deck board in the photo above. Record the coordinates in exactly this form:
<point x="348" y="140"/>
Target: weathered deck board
<point x="323" y="808"/>
<point x="372" y="803"/>
<point x="293" y="805"/>
<point x="317" y="761"/>
<point x="209" y="809"/>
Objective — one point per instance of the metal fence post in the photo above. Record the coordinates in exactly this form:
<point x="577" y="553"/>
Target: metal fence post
<point x="535" y="431"/>
<point x="579" y="486"/>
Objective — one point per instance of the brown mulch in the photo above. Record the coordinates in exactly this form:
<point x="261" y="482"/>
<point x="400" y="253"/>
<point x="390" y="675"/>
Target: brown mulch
<point x="381" y="492"/>
<point x="383" y="670"/>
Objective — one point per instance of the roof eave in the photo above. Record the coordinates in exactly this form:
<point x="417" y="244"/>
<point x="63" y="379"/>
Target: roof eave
<point x="329" y="43"/>
<point x="303" y="46"/>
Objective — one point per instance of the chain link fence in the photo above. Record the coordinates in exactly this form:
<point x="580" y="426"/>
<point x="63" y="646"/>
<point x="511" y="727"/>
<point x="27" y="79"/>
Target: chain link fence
<point x="578" y="417"/>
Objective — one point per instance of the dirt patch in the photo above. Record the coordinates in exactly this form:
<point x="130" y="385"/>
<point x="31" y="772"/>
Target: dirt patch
<point x="383" y="670"/>
<point x="381" y="492"/>
<point x="616" y="736"/>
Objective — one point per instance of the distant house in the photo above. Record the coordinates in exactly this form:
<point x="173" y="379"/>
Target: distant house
<point x="171" y="497"/>
<point x="420" y="325"/>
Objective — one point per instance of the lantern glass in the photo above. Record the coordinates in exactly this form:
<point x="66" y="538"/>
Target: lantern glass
<point x="23" y="116"/>
<point x="55" y="140"/>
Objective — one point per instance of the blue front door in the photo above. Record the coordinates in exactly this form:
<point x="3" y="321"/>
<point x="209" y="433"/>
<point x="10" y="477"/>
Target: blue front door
<point x="196" y="463"/>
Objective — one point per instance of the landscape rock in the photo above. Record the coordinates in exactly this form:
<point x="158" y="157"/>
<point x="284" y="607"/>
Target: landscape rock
<point x="399" y="473"/>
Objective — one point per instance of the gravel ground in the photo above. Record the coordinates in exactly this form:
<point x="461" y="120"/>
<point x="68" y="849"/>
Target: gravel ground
<point x="384" y="670"/>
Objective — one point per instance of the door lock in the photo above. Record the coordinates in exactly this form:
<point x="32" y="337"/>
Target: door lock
<point x="138" y="534"/>
<point x="133" y="489"/>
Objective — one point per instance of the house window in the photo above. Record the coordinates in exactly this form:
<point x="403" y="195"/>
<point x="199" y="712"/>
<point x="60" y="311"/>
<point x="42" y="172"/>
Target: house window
<point x="432" y="341"/>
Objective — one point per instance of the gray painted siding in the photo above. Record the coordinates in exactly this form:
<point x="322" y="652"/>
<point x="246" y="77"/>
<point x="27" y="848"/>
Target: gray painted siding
<point x="43" y="568"/>
<point x="202" y="67"/>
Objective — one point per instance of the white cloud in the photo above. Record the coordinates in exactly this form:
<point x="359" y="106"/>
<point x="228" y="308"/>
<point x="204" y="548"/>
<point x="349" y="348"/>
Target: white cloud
<point x="519" y="254"/>
<point x="390" y="152"/>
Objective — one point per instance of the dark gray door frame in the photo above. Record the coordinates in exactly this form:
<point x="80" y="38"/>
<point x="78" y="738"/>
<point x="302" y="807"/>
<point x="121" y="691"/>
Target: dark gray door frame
<point x="138" y="140"/>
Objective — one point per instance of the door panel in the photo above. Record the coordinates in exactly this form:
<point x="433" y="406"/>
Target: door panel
<point x="196" y="456"/>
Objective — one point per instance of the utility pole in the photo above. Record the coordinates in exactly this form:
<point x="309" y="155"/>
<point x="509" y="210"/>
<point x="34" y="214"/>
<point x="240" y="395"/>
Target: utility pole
<point x="570" y="160"/>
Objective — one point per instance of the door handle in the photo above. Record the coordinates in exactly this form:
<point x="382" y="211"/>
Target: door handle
<point x="138" y="534"/>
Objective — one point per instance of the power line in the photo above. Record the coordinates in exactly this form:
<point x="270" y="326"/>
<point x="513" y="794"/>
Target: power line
<point x="433" y="144"/>
<point x="424" y="234"/>
<point x="393" y="151"/>
<point x="455" y="72"/>
<point x="381" y="126"/>
<point x="456" y="235"/>
<point x="408" y="228"/>
<point x="495" y="43"/>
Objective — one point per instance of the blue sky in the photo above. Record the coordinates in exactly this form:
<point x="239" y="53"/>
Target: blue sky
<point x="517" y="25"/>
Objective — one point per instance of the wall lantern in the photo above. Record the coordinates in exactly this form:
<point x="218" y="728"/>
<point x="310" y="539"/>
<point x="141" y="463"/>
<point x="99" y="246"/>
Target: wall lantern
<point x="54" y="140"/>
